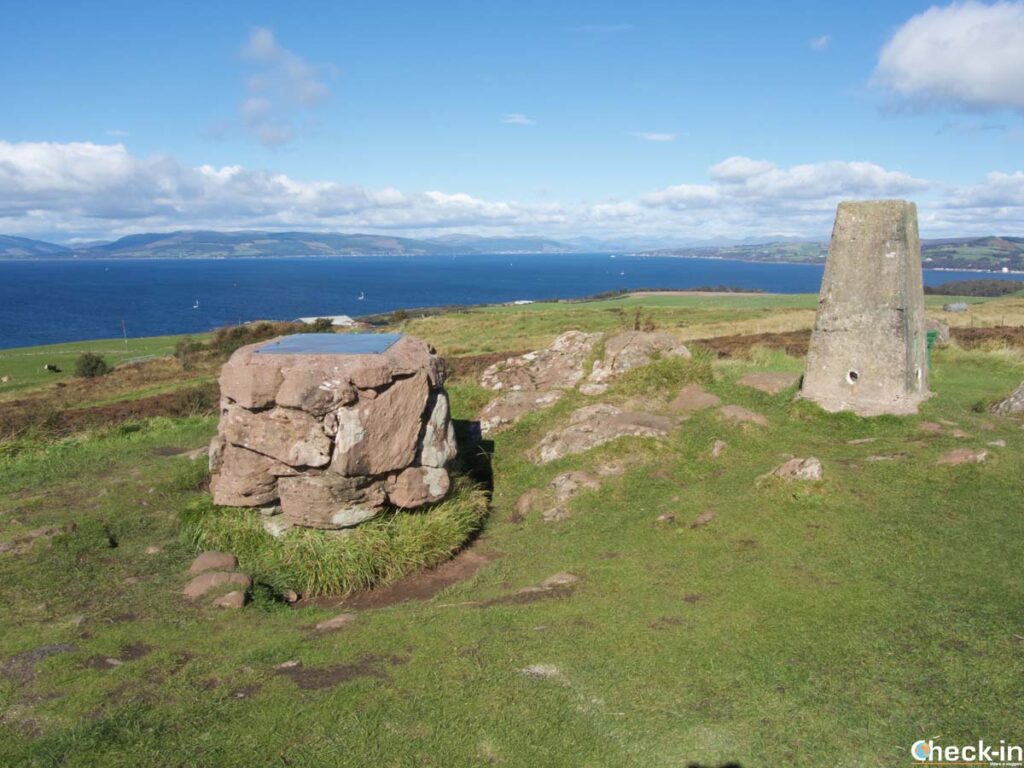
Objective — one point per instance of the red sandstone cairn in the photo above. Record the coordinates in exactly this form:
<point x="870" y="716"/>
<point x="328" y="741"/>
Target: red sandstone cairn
<point x="333" y="437"/>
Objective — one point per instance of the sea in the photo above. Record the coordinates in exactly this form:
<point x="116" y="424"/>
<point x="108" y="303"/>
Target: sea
<point x="45" y="302"/>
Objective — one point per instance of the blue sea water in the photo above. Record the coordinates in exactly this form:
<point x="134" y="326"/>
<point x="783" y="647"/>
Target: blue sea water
<point x="44" y="302"/>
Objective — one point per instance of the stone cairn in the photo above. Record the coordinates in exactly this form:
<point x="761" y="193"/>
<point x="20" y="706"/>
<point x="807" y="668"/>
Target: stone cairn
<point x="868" y="348"/>
<point x="326" y="430"/>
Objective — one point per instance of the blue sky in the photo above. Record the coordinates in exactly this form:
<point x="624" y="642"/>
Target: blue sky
<point x="661" y="120"/>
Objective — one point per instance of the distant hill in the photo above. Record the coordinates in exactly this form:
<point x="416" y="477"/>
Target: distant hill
<point x="982" y="253"/>
<point x="987" y="253"/>
<point x="207" y="244"/>
<point x="24" y="248"/>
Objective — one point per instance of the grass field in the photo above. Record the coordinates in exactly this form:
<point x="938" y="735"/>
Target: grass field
<point x="25" y="364"/>
<point x="828" y="624"/>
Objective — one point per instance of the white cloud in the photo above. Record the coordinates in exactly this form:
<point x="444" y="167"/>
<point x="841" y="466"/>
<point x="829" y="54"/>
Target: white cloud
<point x="820" y="43"/>
<point x="92" y="190"/>
<point x="966" y="54"/>
<point x="648" y="136"/>
<point x="516" y="118"/>
<point x="281" y="86"/>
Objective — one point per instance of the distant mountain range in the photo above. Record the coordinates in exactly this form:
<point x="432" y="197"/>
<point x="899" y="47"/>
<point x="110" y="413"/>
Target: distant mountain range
<point x="989" y="253"/>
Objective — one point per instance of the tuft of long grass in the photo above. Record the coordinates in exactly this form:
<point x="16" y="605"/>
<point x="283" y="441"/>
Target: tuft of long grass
<point x="315" y="562"/>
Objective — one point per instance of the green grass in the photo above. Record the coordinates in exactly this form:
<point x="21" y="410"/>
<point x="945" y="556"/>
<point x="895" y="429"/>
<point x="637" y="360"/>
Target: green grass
<point x="25" y="364"/>
<point x="316" y="563"/>
<point x="805" y="625"/>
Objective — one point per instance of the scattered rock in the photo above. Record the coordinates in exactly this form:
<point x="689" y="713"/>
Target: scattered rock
<point x="809" y="469"/>
<point x="543" y="672"/>
<point x="195" y="454"/>
<point x="566" y="486"/>
<point x="563" y="579"/>
<point x="595" y="425"/>
<point x="290" y="664"/>
<point x="628" y="350"/>
<point x="740" y="415"/>
<point x="204" y="582"/>
<point x="862" y="441"/>
<point x="153" y="549"/>
<point x="964" y="456"/>
<point x="717" y="448"/>
<point x="235" y="599"/>
<point x="703" y="519"/>
<point x="960" y="434"/>
<point x="693" y="398"/>
<point x="668" y="517"/>
<point x="610" y="469"/>
<point x="770" y="381"/>
<point x="290" y="596"/>
<point x="1013" y="404"/>
<point x="6" y="379"/>
<point x="525" y="505"/>
<point x="213" y="561"/>
<point x="277" y="527"/>
<point x="507" y="409"/>
<point x="338" y="622"/>
<point x="885" y="457"/>
<point x="997" y="444"/>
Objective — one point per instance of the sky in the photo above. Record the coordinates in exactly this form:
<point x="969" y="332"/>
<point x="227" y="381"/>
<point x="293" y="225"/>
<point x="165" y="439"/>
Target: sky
<point x="661" y="120"/>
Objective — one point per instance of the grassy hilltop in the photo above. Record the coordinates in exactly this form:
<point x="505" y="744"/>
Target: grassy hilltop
<point x="796" y="624"/>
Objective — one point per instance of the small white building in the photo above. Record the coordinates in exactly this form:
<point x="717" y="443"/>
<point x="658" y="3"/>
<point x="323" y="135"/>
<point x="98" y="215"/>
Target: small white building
<point x="338" y="321"/>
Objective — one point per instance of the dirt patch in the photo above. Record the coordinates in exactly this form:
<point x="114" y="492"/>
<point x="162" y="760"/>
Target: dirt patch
<point x="419" y="586"/>
<point x="134" y="651"/>
<point x="471" y="366"/>
<point x="793" y="343"/>
<point x="52" y="415"/>
<point x="693" y="598"/>
<point x="315" y="678"/>
<point x="1008" y="335"/>
<point x="21" y="668"/>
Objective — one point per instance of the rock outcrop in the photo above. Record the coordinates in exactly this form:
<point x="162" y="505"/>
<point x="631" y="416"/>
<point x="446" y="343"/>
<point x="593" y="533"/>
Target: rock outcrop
<point x="1013" y="404"/>
<point x="628" y="350"/>
<point x="332" y="435"/>
<point x="595" y="425"/>
<point x="539" y="379"/>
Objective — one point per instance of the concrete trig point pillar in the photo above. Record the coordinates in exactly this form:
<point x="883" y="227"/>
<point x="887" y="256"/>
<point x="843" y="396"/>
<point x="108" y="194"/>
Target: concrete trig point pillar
<point x="868" y="349"/>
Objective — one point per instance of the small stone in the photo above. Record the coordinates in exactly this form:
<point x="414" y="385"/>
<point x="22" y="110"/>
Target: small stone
<point x="769" y="381"/>
<point x="960" y="434"/>
<point x="668" y="517"/>
<point x="964" y="456"/>
<point x="560" y="580"/>
<point x="338" y="622"/>
<point x="153" y="549"/>
<point x="204" y="582"/>
<point x="862" y="441"/>
<point x="997" y="444"/>
<point x="213" y="561"/>
<point x="693" y="398"/>
<point x="809" y="469"/>
<point x="703" y="519"/>
<point x="290" y="596"/>
<point x="234" y="599"/>
<point x="717" y="448"/>
<point x="290" y="664"/>
<point x="543" y="672"/>
<point x="277" y="527"/>
<point x="740" y="415"/>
